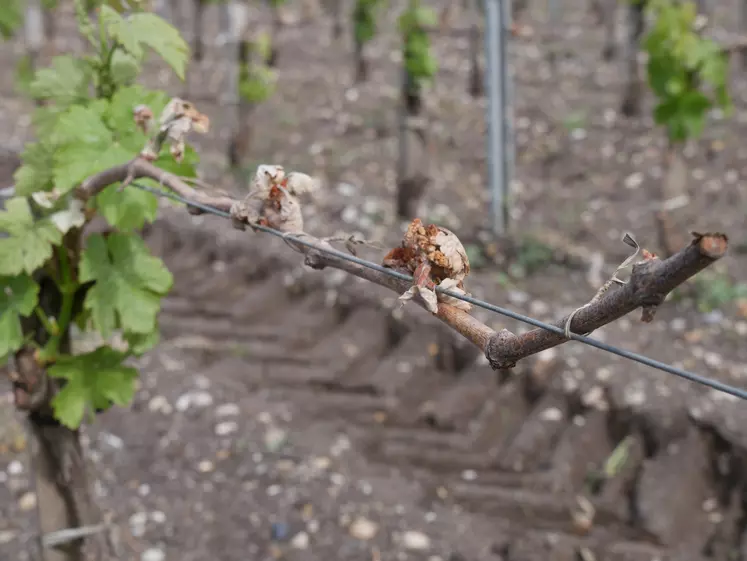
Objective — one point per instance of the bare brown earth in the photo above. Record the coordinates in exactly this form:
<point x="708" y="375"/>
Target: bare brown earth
<point x="291" y="414"/>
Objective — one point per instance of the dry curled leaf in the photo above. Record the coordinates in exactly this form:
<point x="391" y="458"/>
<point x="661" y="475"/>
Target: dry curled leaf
<point x="435" y="257"/>
<point x="178" y="118"/>
<point x="273" y="200"/>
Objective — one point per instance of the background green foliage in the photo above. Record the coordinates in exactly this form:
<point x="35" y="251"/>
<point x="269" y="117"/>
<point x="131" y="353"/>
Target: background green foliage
<point x="364" y="20"/>
<point x="256" y="79"/>
<point x="84" y="126"/>
<point x="420" y="63"/>
<point x="686" y="72"/>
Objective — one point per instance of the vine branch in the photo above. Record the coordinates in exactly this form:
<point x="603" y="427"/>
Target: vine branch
<point x="649" y="284"/>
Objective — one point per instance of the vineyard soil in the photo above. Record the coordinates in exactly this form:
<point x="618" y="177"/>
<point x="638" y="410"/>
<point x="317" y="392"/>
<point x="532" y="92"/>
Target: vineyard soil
<point x="291" y="414"/>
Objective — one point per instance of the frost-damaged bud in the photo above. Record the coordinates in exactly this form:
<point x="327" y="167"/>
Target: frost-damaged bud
<point x="435" y="257"/>
<point x="273" y="200"/>
<point x="177" y="119"/>
<point x="143" y="116"/>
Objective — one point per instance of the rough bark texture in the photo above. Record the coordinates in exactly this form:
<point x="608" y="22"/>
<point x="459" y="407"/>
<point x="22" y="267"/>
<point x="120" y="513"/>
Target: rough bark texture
<point x="60" y="469"/>
<point x="198" y="49"/>
<point x="413" y="165"/>
<point x="361" y="66"/>
<point x="649" y="284"/>
<point x="605" y="11"/>
<point x="241" y="139"/>
<point x="277" y="25"/>
<point x="476" y="80"/>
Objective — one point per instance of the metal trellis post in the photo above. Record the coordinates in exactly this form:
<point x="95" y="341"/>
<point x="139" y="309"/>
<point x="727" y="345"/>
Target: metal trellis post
<point x="500" y="146"/>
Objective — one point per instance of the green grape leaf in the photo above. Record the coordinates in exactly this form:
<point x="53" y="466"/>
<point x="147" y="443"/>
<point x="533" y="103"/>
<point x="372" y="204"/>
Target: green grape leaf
<point x="86" y="146"/>
<point x="45" y="119"/>
<point x="36" y="172"/>
<point x="119" y="114"/>
<point x="65" y="82"/>
<point x="140" y="343"/>
<point x="128" y="209"/>
<point x="125" y="68"/>
<point x="95" y="380"/>
<point x="18" y="297"/>
<point x="30" y="242"/>
<point x="129" y="283"/>
<point x="186" y="168"/>
<point x="147" y="29"/>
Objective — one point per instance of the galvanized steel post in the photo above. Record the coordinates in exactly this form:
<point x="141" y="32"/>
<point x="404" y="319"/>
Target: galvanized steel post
<point x="500" y="133"/>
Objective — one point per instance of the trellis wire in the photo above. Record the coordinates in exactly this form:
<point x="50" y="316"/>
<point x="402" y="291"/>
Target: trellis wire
<point x="691" y="376"/>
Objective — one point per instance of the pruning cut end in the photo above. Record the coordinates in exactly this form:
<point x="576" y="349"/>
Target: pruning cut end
<point x="711" y="244"/>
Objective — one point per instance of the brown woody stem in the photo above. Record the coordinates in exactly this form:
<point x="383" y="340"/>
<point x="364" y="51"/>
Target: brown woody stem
<point x="649" y="283"/>
<point x="140" y="168"/>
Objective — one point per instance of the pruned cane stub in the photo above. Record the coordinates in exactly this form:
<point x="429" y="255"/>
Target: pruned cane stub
<point x="650" y="282"/>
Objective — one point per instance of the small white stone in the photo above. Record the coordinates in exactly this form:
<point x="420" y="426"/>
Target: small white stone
<point x="153" y="554"/>
<point x="300" y="540"/>
<point x="363" y="528"/>
<point x="713" y="360"/>
<point x="415" y="540"/>
<point x="112" y="440"/>
<point x="137" y="524"/>
<point x="158" y="516"/>
<point x="320" y="462"/>
<point x="6" y="536"/>
<point x="226" y="428"/>
<point x="578" y="134"/>
<point x="15" y="468"/>
<point x="159" y="404"/>
<point x="678" y="324"/>
<point x="205" y="466"/>
<point x="227" y="410"/>
<point x="27" y="501"/>
<point x="551" y="414"/>
<point x="193" y="399"/>
<point x="469" y="475"/>
<point x="634" y="180"/>
<point x="634" y="396"/>
<point x="517" y="297"/>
